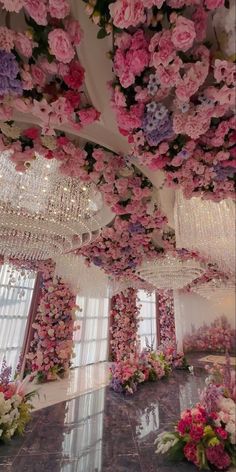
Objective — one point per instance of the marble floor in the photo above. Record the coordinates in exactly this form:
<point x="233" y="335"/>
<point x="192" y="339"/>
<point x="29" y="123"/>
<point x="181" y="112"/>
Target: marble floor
<point x="101" y="431"/>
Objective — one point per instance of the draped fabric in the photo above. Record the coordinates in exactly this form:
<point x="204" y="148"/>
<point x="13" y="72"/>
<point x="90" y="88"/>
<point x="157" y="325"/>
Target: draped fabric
<point x="14" y="308"/>
<point x="148" y="325"/>
<point x="91" y="340"/>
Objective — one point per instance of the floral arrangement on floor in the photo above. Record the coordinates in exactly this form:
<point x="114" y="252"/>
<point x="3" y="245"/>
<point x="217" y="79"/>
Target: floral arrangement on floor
<point x="173" y="356"/>
<point x="39" y="69"/>
<point x="216" y="337"/>
<point x="124" y="325"/>
<point x="173" y="91"/>
<point x="166" y="315"/>
<point x="129" y="372"/>
<point x="52" y="345"/>
<point x="205" y="434"/>
<point x="15" y="405"/>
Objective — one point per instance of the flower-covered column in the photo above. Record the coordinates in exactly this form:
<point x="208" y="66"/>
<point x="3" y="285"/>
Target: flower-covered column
<point x="51" y="348"/>
<point x="124" y="325"/>
<point x="166" y="316"/>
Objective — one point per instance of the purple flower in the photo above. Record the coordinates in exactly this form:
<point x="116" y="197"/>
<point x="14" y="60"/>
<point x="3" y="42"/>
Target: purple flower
<point x="97" y="261"/>
<point x="157" y="126"/>
<point x="136" y="228"/>
<point x="223" y="173"/>
<point x="9" y="69"/>
<point x="116" y="386"/>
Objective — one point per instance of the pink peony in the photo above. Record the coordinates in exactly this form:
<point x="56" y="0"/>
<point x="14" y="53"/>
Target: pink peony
<point x="37" y="10"/>
<point x="12" y="5"/>
<point x="88" y="116"/>
<point x="6" y="39"/>
<point x="59" y="8"/>
<point x="38" y="75"/>
<point x="126" y="13"/>
<point x="212" y="4"/>
<point x="183" y="34"/>
<point x="200" y="22"/>
<point x="60" y="45"/>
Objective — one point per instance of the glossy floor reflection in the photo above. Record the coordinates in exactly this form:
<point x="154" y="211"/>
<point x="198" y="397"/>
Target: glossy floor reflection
<point x="104" y="432"/>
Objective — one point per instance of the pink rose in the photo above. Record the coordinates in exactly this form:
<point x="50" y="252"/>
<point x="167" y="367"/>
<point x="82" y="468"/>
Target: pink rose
<point x="183" y="34"/>
<point x="32" y="133"/>
<point x="74" y="31"/>
<point x="60" y="45"/>
<point x="59" y="8"/>
<point x="23" y="45"/>
<point x="38" y="75"/>
<point x="48" y="67"/>
<point x="37" y="10"/>
<point x="212" y="4"/>
<point x="127" y="13"/>
<point x="88" y="116"/>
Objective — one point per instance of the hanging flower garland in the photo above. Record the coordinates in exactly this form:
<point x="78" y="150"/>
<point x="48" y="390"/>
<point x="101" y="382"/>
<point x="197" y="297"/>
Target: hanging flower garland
<point x="173" y="97"/>
<point x="124" y="325"/>
<point x="39" y="69"/>
<point x="51" y="349"/>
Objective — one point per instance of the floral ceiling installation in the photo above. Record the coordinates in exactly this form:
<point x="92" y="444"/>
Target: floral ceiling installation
<point x="173" y="91"/>
<point x="39" y="69"/>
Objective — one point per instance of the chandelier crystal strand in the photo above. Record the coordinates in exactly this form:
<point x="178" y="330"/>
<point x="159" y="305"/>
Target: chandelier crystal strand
<point x="170" y="272"/>
<point x="207" y="227"/>
<point x="44" y="214"/>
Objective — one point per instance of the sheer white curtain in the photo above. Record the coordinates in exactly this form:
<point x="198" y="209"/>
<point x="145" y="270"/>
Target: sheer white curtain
<point x="148" y="324"/>
<point x="14" y="308"/>
<point x="91" y="340"/>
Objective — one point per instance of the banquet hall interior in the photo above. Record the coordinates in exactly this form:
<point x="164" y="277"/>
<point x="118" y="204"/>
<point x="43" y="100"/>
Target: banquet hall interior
<point x="117" y="235"/>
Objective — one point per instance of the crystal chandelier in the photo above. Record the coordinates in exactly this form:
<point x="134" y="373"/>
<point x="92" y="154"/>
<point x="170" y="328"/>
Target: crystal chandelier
<point x="216" y="289"/>
<point x="207" y="227"/>
<point x="170" y="272"/>
<point x="44" y="214"/>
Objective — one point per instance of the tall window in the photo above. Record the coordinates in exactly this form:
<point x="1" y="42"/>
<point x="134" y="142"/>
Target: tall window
<point x="148" y="324"/>
<point x="15" y="303"/>
<point x="91" y="340"/>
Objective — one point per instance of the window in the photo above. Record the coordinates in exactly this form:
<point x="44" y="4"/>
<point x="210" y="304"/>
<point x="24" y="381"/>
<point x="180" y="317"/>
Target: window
<point x="148" y="325"/>
<point x="91" y="340"/>
<point x="14" y="308"/>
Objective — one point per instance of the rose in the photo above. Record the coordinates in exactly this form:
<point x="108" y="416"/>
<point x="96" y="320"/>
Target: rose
<point x="12" y="5"/>
<point x="37" y="10"/>
<point x="212" y="4"/>
<point x="59" y="8"/>
<point x="24" y="45"/>
<point x="38" y="75"/>
<point x="31" y="133"/>
<point x="127" y="13"/>
<point x="183" y="34"/>
<point x="60" y="45"/>
<point x="74" y="79"/>
<point x="74" y="31"/>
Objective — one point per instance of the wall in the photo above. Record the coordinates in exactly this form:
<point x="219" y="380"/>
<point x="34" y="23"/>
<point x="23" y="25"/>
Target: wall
<point x="192" y="309"/>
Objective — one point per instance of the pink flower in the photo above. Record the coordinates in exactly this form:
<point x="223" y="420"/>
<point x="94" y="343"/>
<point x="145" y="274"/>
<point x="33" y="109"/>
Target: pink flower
<point x="60" y="45"/>
<point x="212" y="4"/>
<point x="196" y="432"/>
<point x="48" y="67"/>
<point x="24" y="45"/>
<point x="38" y="75"/>
<point x="74" y="31"/>
<point x="200" y="22"/>
<point x="31" y="133"/>
<point x="41" y="109"/>
<point x="151" y="3"/>
<point x="127" y="13"/>
<point x="12" y="5"/>
<point x="59" y="8"/>
<point x="183" y="34"/>
<point x="88" y="116"/>
<point x="190" y="452"/>
<point x="37" y="10"/>
<point x="6" y="39"/>
<point x="75" y="77"/>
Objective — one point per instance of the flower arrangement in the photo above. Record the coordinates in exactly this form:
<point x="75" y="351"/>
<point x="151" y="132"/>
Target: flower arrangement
<point x="124" y="325"/>
<point x="205" y="434"/>
<point x="216" y="337"/>
<point x="173" y="356"/>
<point x="173" y="92"/>
<point x="128" y="373"/>
<point x="39" y="69"/>
<point x="15" y="405"/>
<point x="52" y="345"/>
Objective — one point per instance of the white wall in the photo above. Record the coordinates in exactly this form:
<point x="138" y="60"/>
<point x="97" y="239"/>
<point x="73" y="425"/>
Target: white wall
<point x="194" y="310"/>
